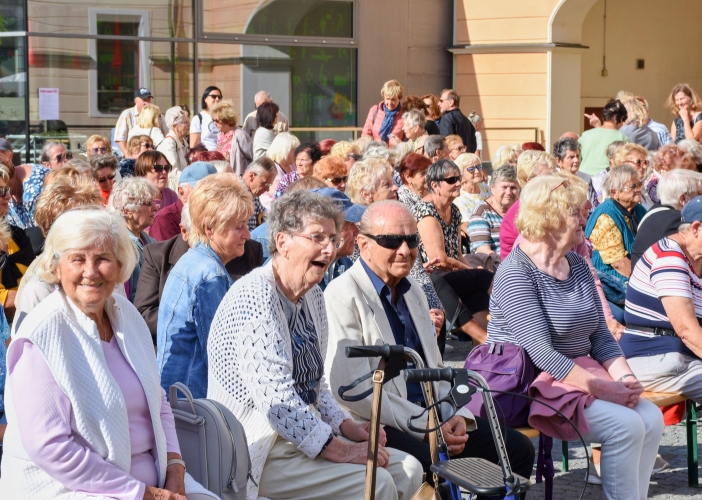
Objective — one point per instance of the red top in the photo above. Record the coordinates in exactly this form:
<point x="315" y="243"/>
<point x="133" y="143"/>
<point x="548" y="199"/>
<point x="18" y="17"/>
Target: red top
<point x="167" y="222"/>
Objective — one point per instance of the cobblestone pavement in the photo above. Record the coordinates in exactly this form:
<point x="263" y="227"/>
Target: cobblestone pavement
<point x="667" y="485"/>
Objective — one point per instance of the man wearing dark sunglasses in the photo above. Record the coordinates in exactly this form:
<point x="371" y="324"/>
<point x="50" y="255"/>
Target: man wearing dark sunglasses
<point x="374" y="303"/>
<point x="53" y="155"/>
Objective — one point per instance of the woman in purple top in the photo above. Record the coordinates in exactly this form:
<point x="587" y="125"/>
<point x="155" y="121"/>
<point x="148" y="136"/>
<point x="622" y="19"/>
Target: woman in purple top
<point x="87" y="417"/>
<point x="155" y="167"/>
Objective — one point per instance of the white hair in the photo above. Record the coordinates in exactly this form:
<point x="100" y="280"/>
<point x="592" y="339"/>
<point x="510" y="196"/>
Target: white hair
<point x="402" y="149"/>
<point x="129" y="193"/>
<point x="692" y="147"/>
<point x="222" y="166"/>
<point x="414" y="118"/>
<point x="281" y="146"/>
<point x="185" y="218"/>
<point x="676" y="183"/>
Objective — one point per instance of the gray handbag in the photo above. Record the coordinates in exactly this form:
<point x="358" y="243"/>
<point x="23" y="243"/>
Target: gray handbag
<point x="212" y="443"/>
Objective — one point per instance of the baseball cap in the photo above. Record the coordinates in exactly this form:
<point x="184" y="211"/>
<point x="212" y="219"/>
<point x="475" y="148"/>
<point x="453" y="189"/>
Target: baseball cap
<point x="197" y="171"/>
<point x="5" y="145"/>
<point x="692" y="211"/>
<point x="352" y="211"/>
<point x="144" y="93"/>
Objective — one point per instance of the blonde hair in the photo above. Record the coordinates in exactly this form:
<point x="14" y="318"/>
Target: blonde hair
<point x="343" y="148"/>
<point x="149" y="116"/>
<point x="636" y="112"/>
<point x="474" y="118"/>
<point x="504" y="154"/>
<point x="281" y="146"/>
<point x="134" y="143"/>
<point x="217" y="199"/>
<point x="85" y="228"/>
<point x="530" y="163"/>
<point x="466" y="159"/>
<point x="65" y="171"/>
<point x="685" y="88"/>
<point x="453" y="139"/>
<point x="545" y="202"/>
<point x="62" y="194"/>
<point x="225" y="112"/>
<point x="364" y="177"/>
<point x="392" y="88"/>
<point x="96" y="138"/>
<point x="129" y="193"/>
<point x="626" y="150"/>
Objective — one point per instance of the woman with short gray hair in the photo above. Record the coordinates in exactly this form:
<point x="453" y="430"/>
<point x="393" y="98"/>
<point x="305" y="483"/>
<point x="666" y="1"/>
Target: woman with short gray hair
<point x="612" y="228"/>
<point x="483" y="228"/>
<point x="414" y="122"/>
<point x="266" y="350"/>
<point x="174" y="146"/>
<point x="462" y="289"/>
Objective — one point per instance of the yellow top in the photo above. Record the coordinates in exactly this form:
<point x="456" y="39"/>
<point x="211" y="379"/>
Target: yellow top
<point x="608" y="240"/>
<point x="11" y="248"/>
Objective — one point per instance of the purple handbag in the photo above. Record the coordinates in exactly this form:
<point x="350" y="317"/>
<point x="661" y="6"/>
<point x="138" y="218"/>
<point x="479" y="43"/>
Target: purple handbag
<point x="505" y="367"/>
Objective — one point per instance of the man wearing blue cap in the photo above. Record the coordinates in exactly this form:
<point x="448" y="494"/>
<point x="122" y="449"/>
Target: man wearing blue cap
<point x="349" y="231"/>
<point x="167" y="221"/>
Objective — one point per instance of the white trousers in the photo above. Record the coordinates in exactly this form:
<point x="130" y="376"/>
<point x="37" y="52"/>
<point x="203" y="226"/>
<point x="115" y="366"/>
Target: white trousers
<point x="289" y="473"/>
<point x="630" y="439"/>
<point x="669" y="372"/>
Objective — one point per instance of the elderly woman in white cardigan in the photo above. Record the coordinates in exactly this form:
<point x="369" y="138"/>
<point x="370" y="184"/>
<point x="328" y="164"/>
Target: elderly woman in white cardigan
<point x="86" y="415"/>
<point x="266" y="350"/>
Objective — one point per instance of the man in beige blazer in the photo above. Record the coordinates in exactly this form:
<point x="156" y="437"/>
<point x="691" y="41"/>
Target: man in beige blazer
<point x="375" y="303"/>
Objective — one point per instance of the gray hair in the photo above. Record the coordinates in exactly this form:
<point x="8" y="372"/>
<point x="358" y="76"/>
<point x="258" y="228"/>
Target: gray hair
<point x="414" y="118"/>
<point x="262" y="166"/>
<point x="98" y="162"/>
<point x="562" y="146"/>
<point x="373" y="145"/>
<point x="432" y="144"/>
<point x="618" y="177"/>
<point x="185" y="219"/>
<point x="676" y="183"/>
<point x="129" y="193"/>
<point x="378" y="210"/>
<point x="402" y="149"/>
<point x="292" y="212"/>
<point x="692" y="147"/>
<point x="82" y="229"/>
<point x="439" y="171"/>
<point x="175" y="116"/>
<point x="506" y="173"/>
<point x="44" y="156"/>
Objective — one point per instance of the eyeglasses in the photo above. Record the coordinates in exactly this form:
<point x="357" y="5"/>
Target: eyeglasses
<point x="216" y="120"/>
<point x="338" y="180"/>
<point x="354" y="156"/>
<point x="216" y="97"/>
<point x="639" y="162"/>
<point x="633" y="187"/>
<point x="452" y="180"/>
<point x="472" y="169"/>
<point x="147" y="145"/>
<point x="5" y="191"/>
<point x="263" y="183"/>
<point x="107" y="178"/>
<point x="64" y="157"/>
<point x="160" y="168"/>
<point x="320" y="239"/>
<point x="100" y="150"/>
<point x="394" y="241"/>
<point x="147" y="203"/>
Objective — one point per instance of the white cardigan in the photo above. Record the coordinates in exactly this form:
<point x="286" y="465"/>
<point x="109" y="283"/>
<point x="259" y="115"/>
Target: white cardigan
<point x="70" y="343"/>
<point x="250" y="371"/>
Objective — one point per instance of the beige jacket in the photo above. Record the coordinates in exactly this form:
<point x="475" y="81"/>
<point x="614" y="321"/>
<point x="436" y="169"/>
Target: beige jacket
<point x="356" y="317"/>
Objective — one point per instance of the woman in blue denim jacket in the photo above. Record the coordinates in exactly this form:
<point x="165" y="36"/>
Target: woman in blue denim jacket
<point x="220" y="207"/>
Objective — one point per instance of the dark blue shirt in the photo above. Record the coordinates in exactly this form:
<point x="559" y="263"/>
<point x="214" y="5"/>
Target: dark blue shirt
<point x="403" y="329"/>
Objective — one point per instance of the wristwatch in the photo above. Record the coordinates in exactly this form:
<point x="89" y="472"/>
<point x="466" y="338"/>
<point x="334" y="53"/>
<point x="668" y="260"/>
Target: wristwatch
<point x="176" y="461"/>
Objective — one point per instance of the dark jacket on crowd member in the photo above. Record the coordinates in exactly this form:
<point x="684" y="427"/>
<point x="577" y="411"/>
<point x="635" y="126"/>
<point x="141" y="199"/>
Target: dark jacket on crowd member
<point x="159" y="259"/>
<point x="659" y="222"/>
<point x="455" y="122"/>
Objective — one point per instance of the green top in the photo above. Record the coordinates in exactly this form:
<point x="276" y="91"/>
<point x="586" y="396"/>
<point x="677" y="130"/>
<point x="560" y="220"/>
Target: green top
<point x="594" y="143"/>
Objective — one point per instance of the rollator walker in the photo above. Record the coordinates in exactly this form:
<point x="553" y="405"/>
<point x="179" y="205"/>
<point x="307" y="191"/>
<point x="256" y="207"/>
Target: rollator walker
<point x="476" y="475"/>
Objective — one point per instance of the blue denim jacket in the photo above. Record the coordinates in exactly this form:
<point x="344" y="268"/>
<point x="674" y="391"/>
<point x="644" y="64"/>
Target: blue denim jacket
<point x="191" y="295"/>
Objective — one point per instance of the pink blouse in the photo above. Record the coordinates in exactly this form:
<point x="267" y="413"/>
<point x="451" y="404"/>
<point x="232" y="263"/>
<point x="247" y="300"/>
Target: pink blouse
<point x="44" y="422"/>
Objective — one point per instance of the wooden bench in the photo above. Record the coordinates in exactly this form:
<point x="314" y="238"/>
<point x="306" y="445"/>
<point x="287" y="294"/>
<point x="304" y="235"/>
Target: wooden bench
<point x="660" y="399"/>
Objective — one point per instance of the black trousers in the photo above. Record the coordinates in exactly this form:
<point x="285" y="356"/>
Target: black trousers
<point x="465" y="291"/>
<point x="480" y="445"/>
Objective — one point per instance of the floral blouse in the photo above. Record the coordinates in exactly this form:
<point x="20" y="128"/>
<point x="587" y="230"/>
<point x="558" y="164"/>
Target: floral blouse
<point x="452" y="231"/>
<point x="22" y="214"/>
<point x="285" y="182"/>
<point x="224" y="143"/>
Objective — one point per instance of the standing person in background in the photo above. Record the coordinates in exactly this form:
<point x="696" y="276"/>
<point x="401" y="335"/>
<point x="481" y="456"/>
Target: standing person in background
<point x="128" y="119"/>
<point x="148" y="124"/>
<point x="433" y="109"/>
<point x="477" y="125"/>
<point x="251" y="122"/>
<point x="202" y="128"/>
<point x="636" y="129"/>
<point x="594" y="142"/>
<point x="232" y="141"/>
<point x="455" y="122"/>
<point x="384" y="120"/>
<point x="267" y="117"/>
<point x="174" y="146"/>
<point x="686" y="104"/>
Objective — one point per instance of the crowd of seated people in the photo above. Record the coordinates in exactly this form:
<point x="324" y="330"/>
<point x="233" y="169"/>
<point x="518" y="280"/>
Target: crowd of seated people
<point x="242" y="263"/>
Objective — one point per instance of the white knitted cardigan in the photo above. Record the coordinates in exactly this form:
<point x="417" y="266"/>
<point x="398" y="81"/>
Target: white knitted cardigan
<point x="250" y="370"/>
<point x="71" y="346"/>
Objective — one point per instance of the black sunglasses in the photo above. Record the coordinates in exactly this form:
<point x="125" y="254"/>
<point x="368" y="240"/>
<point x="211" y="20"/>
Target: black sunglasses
<point x="215" y="96"/>
<point x="5" y="191"/>
<point x="354" y="156"/>
<point x="452" y="180"/>
<point x="338" y="180"/>
<point x="160" y="168"/>
<point x="107" y="178"/>
<point x="64" y="157"/>
<point x="394" y="241"/>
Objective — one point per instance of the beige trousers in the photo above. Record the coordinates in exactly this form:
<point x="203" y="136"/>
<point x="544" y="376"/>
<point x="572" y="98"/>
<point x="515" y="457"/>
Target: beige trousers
<point x="290" y="474"/>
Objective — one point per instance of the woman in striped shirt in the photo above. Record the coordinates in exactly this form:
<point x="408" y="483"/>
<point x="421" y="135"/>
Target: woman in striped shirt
<point x="544" y="299"/>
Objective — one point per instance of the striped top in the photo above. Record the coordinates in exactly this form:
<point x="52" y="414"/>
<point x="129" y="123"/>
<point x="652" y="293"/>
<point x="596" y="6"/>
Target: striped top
<point x="662" y="271"/>
<point x="484" y="227"/>
<point x="554" y="320"/>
